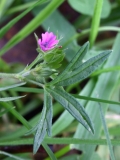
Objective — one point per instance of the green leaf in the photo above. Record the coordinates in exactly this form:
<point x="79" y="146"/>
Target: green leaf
<point x="57" y="59"/>
<point x="110" y="69"/>
<point x="25" y="125"/>
<point x="53" y="60"/>
<point x="49" y="111"/>
<point x="12" y="86"/>
<point x="45" y="122"/>
<point x="11" y="156"/>
<point x="32" y="130"/>
<point x="49" y="57"/>
<point x="74" y="63"/>
<point x="95" y="99"/>
<point x="84" y="70"/>
<point x="5" y="111"/>
<point x="58" y="140"/>
<point x="95" y="21"/>
<point x="10" y="98"/>
<point x="96" y="156"/>
<point x="106" y="132"/>
<point x="72" y="106"/>
<point x="104" y="89"/>
<point x="54" y="65"/>
<point x="41" y="131"/>
<point x="77" y="59"/>
<point x="27" y="89"/>
<point x="87" y="7"/>
<point x="49" y="151"/>
<point x="4" y="4"/>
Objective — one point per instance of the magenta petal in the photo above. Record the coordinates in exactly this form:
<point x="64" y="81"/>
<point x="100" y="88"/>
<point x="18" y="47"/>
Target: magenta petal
<point x="43" y="48"/>
<point x="52" y="43"/>
<point x="50" y="35"/>
<point x="44" y="37"/>
<point x="48" y="41"/>
<point x="39" y="41"/>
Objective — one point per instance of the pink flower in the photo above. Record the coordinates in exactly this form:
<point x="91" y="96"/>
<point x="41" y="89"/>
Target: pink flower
<point x="48" y="41"/>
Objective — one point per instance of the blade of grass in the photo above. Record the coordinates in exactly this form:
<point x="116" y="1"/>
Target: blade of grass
<point x="49" y="151"/>
<point x="12" y="86"/>
<point x="32" y="25"/>
<point x="4" y="4"/>
<point x="20" y="7"/>
<point x="10" y="98"/>
<point x="95" y="21"/>
<point x="96" y="99"/>
<point x="65" y="118"/>
<point x="15" y="20"/>
<point x="27" y="125"/>
<point x="106" y="132"/>
<point x="115" y="68"/>
<point x="11" y="156"/>
<point x="27" y="89"/>
<point x="87" y="31"/>
<point x="69" y="140"/>
<point x="103" y="88"/>
<point x="18" y="102"/>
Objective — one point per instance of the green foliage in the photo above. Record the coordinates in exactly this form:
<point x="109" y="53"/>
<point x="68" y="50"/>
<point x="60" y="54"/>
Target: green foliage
<point x="4" y="4"/>
<point x="106" y="132"/>
<point x="12" y="86"/>
<point x="77" y="60"/>
<point x="72" y="106"/>
<point x="87" y="7"/>
<point x="10" y="98"/>
<point x="54" y="59"/>
<point x="83" y="71"/>
<point x="15" y="20"/>
<point x="68" y="64"/>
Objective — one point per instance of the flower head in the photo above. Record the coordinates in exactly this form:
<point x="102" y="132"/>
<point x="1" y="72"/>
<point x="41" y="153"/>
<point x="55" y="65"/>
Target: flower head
<point x="48" y="41"/>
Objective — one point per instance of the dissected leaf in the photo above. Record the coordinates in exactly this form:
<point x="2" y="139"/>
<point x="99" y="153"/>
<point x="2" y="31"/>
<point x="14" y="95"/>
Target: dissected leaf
<point x="32" y="130"/>
<point x="84" y="70"/>
<point x="41" y="131"/>
<point x="10" y="98"/>
<point x="74" y="63"/>
<point x="103" y="88"/>
<point x="72" y="106"/>
<point x="12" y="86"/>
<point x="45" y="122"/>
<point x="49" y="111"/>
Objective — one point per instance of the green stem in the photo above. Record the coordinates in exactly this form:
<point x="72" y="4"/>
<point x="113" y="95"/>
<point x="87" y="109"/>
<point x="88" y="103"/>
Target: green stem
<point x="87" y="31"/>
<point x="16" y="114"/>
<point x="95" y="21"/>
<point x="7" y="75"/>
<point x="36" y="83"/>
<point x="38" y="58"/>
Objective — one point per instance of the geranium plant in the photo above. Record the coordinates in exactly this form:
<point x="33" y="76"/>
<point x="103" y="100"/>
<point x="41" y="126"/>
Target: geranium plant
<point x="44" y="72"/>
